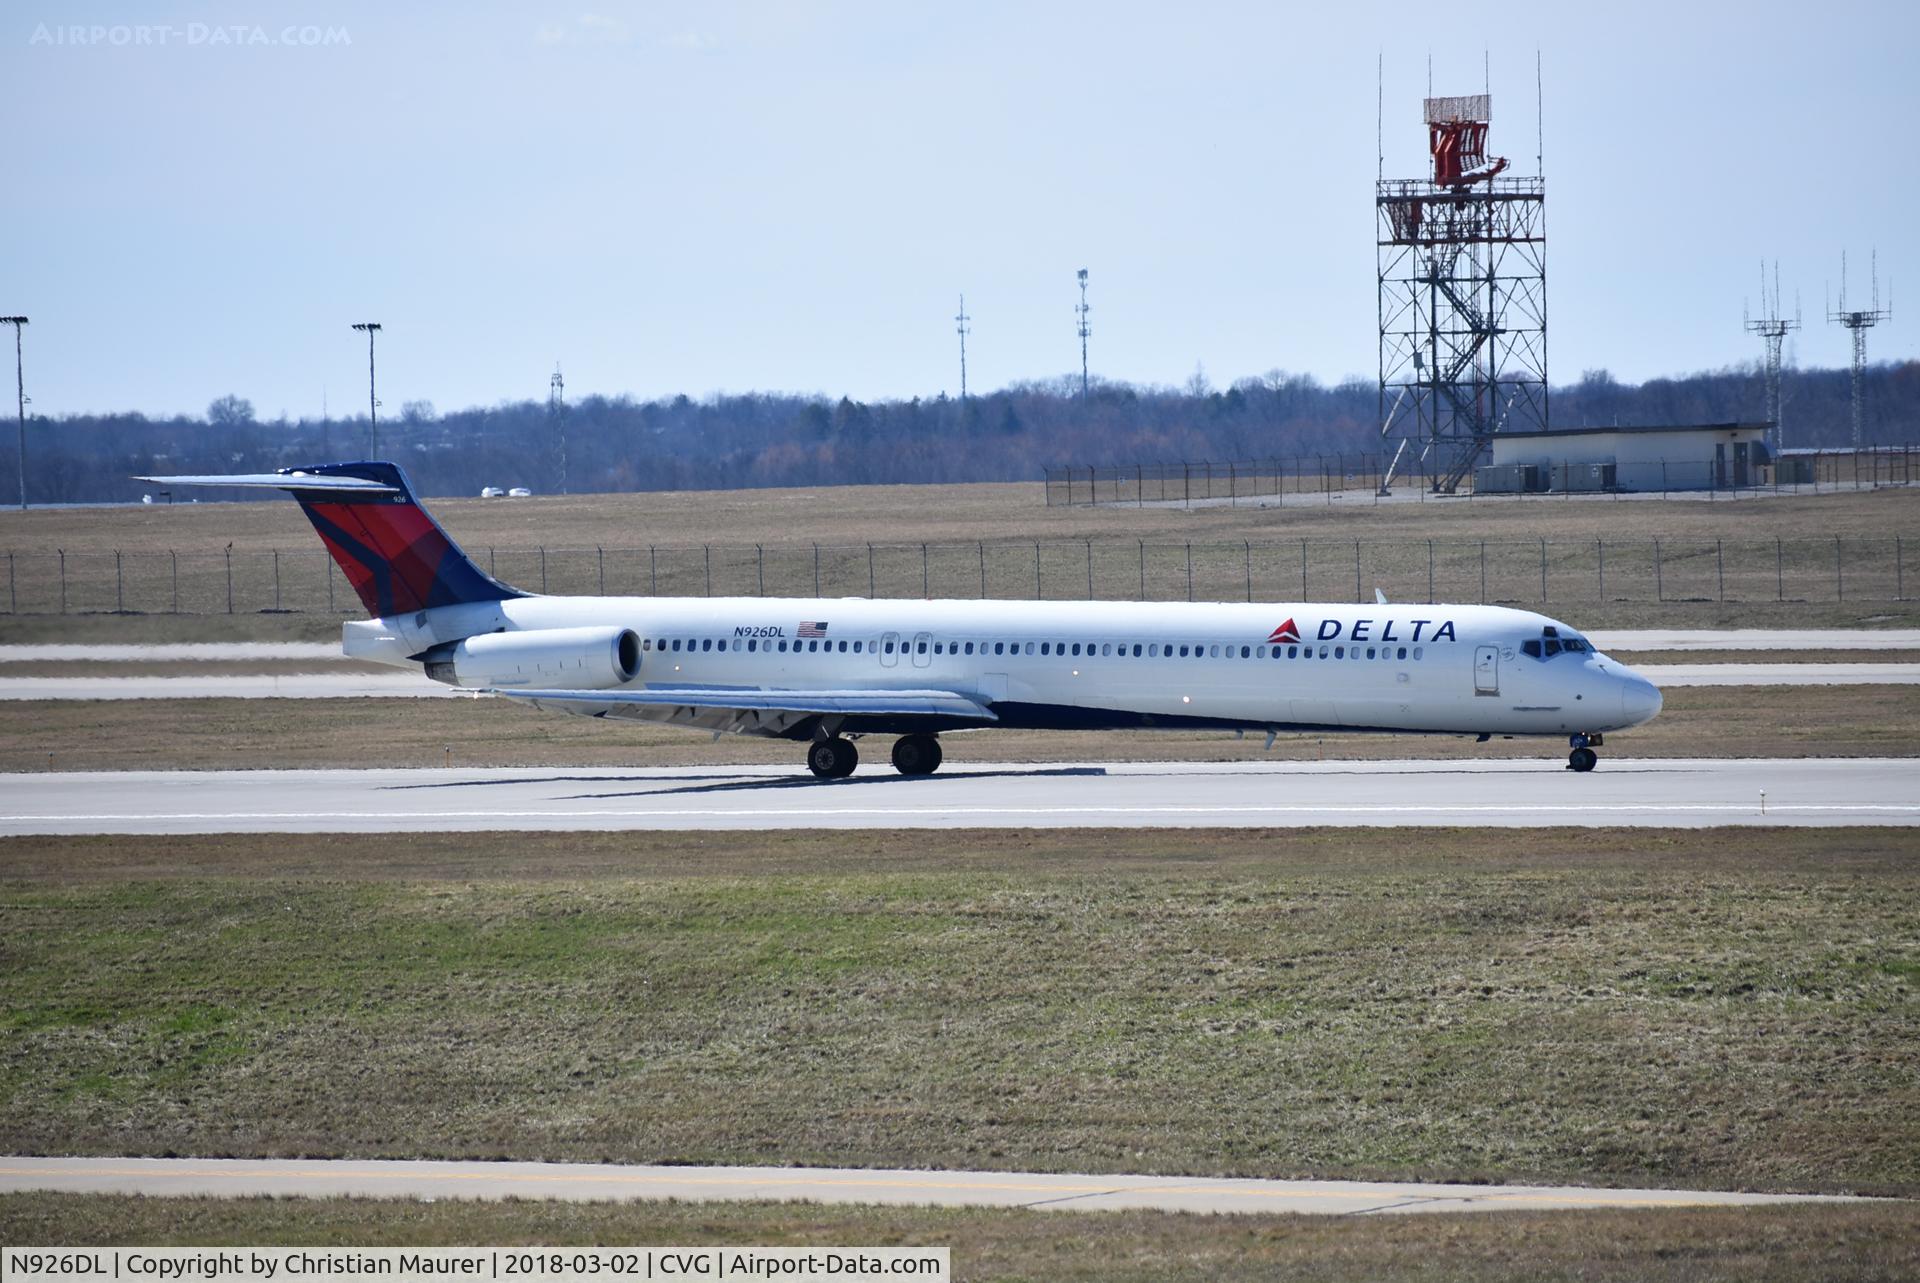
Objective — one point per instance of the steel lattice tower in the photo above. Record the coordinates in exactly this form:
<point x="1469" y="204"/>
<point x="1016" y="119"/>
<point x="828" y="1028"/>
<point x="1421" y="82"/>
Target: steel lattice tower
<point x="1859" y="322"/>
<point x="1773" y="329"/>
<point x="1462" y="268"/>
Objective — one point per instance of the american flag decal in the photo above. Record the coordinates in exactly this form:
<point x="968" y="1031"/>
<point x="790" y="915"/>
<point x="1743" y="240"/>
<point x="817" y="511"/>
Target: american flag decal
<point x="810" y="629"/>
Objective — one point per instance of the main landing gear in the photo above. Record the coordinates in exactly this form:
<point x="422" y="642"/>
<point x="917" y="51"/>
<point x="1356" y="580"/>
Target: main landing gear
<point x="834" y="758"/>
<point x="916" y="755"/>
<point x="1583" y="758"/>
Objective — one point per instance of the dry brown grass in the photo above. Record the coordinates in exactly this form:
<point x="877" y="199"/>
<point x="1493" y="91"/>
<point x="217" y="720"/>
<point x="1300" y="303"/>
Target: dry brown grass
<point x="1843" y="1243"/>
<point x="964" y="513"/>
<point x="1714" y="564"/>
<point x="1699" y="721"/>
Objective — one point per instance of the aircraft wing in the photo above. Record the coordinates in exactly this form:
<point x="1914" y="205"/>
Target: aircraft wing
<point x="763" y="712"/>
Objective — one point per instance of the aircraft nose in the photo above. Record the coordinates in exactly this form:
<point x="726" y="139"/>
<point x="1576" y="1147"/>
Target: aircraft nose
<point x="1640" y="700"/>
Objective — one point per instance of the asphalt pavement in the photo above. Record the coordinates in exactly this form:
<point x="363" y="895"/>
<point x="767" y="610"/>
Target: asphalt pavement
<point x="1492" y="792"/>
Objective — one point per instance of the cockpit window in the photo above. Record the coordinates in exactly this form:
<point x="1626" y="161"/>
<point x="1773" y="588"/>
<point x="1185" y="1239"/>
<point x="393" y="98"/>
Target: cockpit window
<point x="1551" y="643"/>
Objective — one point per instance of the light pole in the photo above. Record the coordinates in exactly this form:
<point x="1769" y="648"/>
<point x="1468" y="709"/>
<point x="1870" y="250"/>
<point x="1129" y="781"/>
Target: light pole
<point x="373" y="406"/>
<point x="1083" y="329"/>
<point x="20" y="388"/>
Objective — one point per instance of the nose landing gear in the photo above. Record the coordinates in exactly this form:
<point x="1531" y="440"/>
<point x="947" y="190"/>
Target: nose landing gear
<point x="1583" y="758"/>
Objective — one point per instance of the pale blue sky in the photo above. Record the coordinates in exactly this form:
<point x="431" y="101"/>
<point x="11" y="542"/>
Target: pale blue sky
<point x="689" y="198"/>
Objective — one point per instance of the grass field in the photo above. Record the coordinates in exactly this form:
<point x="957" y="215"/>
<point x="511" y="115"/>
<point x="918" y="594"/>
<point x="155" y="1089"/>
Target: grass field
<point x="1724" y="1008"/>
<point x="1756" y="1245"/>
<point x="963" y="514"/>
<point x="1770" y="561"/>
<point x="1698" y="721"/>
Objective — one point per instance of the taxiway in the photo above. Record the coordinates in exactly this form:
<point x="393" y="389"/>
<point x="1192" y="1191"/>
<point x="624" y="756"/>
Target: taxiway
<point x="1507" y="793"/>
<point x="330" y="1178"/>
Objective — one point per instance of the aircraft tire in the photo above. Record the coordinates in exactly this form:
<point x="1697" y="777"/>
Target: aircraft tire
<point x="833" y="759"/>
<point x="916" y="755"/>
<point x="1582" y="760"/>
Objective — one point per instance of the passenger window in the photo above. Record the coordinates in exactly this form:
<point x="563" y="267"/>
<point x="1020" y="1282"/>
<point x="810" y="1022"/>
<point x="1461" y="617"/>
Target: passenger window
<point x="1029" y="648"/>
<point x="752" y="646"/>
<point x="1076" y="648"/>
<point x="1106" y="648"/>
<point x="999" y="648"/>
<point x="1339" y="652"/>
<point x="856" y="647"/>
<point x="921" y="649"/>
<point x="969" y="648"/>
<point x="1402" y="654"/>
<point x="1417" y="651"/>
<point x="1214" y="650"/>
<point x="1183" y="652"/>
<point x="676" y="643"/>
<point x="1136" y="650"/>
<point x="1369" y="652"/>
<point x="1043" y="647"/>
<point x="1293" y="652"/>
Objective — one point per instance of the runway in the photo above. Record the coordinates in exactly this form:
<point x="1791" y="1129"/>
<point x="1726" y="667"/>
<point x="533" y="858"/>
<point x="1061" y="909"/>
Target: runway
<point x="1685" y="793"/>
<point x="327" y="1178"/>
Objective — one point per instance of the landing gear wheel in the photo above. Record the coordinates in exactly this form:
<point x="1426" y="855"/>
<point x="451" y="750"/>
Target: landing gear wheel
<point x="916" y="755"/>
<point x="832" y="759"/>
<point x="1582" y="759"/>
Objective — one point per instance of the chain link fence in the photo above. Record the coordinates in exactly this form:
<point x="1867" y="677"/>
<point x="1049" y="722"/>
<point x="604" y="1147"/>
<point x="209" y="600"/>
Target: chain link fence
<point x="1523" y="572"/>
<point x="1318" y="478"/>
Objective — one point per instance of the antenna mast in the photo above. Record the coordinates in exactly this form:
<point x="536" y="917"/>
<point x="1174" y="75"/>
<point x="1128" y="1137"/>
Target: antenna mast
<point x="1859" y="321"/>
<point x="1772" y="327"/>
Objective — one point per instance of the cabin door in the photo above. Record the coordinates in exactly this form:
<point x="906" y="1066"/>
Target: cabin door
<point x="1486" y="670"/>
<point x="889" y="649"/>
<point x="922" y="649"/>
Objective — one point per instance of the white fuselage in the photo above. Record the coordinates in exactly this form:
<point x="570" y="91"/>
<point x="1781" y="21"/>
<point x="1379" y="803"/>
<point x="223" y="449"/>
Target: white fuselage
<point x="1454" y="669"/>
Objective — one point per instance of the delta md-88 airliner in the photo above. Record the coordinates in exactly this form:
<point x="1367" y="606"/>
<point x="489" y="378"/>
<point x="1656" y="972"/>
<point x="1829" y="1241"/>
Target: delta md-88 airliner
<point x="824" y="672"/>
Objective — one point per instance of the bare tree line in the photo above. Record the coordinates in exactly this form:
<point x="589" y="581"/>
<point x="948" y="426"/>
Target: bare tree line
<point x="778" y="439"/>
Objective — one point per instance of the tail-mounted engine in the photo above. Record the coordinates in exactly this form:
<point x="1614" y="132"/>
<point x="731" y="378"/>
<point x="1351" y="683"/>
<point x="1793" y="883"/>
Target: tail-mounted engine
<point x="539" y="659"/>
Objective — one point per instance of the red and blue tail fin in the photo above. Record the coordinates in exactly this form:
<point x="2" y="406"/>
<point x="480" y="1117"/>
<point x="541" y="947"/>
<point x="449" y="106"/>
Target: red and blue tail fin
<point x="394" y="554"/>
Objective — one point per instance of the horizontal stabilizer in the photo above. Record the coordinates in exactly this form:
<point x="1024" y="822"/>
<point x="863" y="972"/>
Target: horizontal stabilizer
<point x="901" y="703"/>
<point x="292" y="481"/>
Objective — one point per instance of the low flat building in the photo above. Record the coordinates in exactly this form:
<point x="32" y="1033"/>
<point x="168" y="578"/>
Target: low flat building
<point x="1693" y="457"/>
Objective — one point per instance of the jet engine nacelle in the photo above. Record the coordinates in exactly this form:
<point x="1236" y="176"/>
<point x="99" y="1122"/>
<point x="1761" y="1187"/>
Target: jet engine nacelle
<point x="539" y="659"/>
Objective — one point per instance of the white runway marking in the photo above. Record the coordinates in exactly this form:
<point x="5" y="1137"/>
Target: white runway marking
<point x="326" y="1178"/>
<point x="1683" y="792"/>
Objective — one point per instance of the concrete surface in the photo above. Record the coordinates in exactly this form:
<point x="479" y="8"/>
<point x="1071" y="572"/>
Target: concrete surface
<point x="1684" y="793"/>
<point x="321" y="1178"/>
